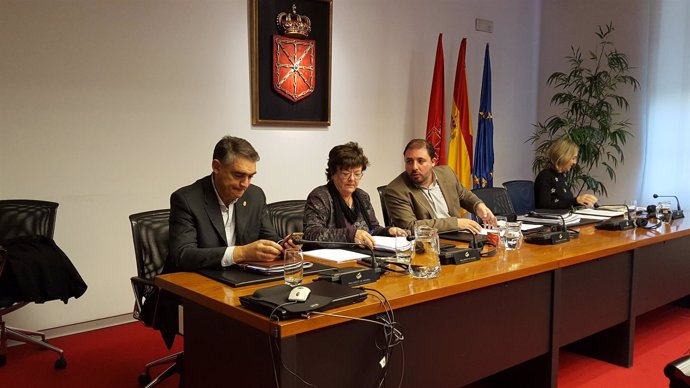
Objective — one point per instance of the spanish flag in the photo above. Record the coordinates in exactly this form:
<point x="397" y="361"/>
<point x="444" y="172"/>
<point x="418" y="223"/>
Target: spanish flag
<point x="436" y="122"/>
<point x="460" y="150"/>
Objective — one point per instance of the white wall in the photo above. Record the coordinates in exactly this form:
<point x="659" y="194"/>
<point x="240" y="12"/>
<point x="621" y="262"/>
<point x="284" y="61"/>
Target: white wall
<point x="108" y="106"/>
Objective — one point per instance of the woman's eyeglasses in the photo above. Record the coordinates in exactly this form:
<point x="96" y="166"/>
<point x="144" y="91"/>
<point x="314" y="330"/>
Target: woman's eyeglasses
<point x="349" y="174"/>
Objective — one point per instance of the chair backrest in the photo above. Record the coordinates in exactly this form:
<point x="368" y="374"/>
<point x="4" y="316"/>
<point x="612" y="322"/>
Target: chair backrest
<point x="26" y="217"/>
<point x="3" y="259"/>
<point x="496" y="199"/>
<point x="150" y="232"/>
<point x="287" y="216"/>
<point x="384" y="208"/>
<point x="521" y="193"/>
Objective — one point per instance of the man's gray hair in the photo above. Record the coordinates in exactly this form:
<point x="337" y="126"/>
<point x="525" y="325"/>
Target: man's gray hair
<point x="230" y="147"/>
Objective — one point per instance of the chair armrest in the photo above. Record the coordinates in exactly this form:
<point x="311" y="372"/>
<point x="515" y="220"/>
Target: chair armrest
<point x="143" y="289"/>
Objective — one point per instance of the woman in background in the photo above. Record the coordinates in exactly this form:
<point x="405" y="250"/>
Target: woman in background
<point x="339" y="211"/>
<point x="550" y="188"/>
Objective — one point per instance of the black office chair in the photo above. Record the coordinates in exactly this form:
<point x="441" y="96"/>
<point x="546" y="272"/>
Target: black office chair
<point x="150" y="234"/>
<point x="678" y="372"/>
<point x="287" y="216"/>
<point x="384" y="208"/>
<point x="521" y="193"/>
<point x="20" y="218"/>
<point x="496" y="199"/>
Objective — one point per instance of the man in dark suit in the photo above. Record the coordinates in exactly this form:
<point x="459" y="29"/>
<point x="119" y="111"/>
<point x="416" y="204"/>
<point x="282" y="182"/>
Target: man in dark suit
<point x="221" y="219"/>
<point x="426" y="194"/>
<point x="215" y="222"/>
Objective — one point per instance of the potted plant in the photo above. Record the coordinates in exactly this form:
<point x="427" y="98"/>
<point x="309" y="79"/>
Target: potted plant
<point x="589" y="98"/>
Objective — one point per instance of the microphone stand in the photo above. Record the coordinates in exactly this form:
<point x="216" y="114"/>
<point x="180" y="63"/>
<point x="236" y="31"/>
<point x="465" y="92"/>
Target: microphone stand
<point x="676" y="214"/>
<point x="349" y="276"/>
<point x="552" y="237"/>
<point x="461" y="255"/>
<point x="623" y="224"/>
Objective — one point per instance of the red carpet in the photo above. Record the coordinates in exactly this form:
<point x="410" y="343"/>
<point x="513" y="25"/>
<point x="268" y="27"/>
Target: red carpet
<point x="114" y="357"/>
<point x="661" y="336"/>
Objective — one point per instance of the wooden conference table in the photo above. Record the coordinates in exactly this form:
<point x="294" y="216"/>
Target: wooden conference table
<point x="510" y="313"/>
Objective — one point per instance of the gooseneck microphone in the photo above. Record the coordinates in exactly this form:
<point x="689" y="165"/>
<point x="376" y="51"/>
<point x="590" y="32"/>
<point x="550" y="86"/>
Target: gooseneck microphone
<point x="678" y="213"/>
<point x="549" y="238"/>
<point x="624" y="224"/>
<point x="456" y="255"/>
<point x="349" y="276"/>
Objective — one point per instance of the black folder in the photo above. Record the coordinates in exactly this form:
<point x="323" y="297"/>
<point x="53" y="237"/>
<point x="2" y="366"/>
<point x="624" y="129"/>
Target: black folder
<point x="273" y="301"/>
<point x="236" y="277"/>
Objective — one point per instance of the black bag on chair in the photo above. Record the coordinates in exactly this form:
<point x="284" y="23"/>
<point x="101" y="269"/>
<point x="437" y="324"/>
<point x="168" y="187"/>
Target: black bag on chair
<point x="37" y="270"/>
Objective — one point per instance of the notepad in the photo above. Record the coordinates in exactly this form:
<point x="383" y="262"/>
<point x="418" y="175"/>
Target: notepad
<point x="335" y="255"/>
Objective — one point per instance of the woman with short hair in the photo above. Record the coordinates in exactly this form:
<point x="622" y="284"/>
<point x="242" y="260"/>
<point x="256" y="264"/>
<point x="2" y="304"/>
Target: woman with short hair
<point x="339" y="211"/>
<point x="551" y="190"/>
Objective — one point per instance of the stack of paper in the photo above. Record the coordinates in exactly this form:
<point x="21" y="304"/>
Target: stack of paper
<point x="599" y="214"/>
<point x="551" y="219"/>
<point x="385" y="243"/>
<point x="336" y="255"/>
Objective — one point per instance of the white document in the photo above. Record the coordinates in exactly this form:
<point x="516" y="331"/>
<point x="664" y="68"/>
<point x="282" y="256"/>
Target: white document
<point x="600" y="212"/>
<point x="526" y="227"/>
<point x="335" y="255"/>
<point x="384" y="243"/>
<point x="591" y="217"/>
<point x="550" y="219"/>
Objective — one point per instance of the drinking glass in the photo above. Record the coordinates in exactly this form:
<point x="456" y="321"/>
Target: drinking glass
<point x="513" y="235"/>
<point x="501" y="226"/>
<point x="293" y="268"/>
<point x="632" y="210"/>
<point x="493" y="236"/>
<point x="403" y="248"/>
<point x="663" y="211"/>
<point x="425" y="262"/>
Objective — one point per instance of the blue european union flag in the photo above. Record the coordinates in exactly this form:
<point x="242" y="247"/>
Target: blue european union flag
<point x="483" y="166"/>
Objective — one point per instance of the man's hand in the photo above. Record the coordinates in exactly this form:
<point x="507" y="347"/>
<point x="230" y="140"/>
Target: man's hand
<point x="469" y="224"/>
<point x="288" y="243"/>
<point x="486" y="215"/>
<point x="259" y="250"/>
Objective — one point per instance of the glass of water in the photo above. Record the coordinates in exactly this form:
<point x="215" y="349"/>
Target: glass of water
<point x="501" y="226"/>
<point x="513" y="235"/>
<point x="293" y="268"/>
<point x="404" y="247"/>
<point x="631" y="204"/>
<point x="663" y="211"/>
<point x="425" y="262"/>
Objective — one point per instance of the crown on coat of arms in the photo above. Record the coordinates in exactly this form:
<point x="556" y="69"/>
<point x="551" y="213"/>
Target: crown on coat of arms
<point x="294" y="25"/>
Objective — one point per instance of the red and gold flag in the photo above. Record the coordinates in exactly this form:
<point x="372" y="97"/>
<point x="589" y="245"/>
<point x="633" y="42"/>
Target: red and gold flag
<point x="460" y="150"/>
<point x="436" y="122"/>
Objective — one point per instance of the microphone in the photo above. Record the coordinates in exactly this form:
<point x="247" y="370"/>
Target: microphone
<point x="549" y="238"/>
<point x="676" y="214"/>
<point x="456" y="255"/>
<point x="348" y="276"/>
<point x="462" y="255"/>
<point x="624" y="224"/>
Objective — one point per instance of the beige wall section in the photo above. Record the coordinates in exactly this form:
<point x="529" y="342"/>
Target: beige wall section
<point x="108" y="106"/>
